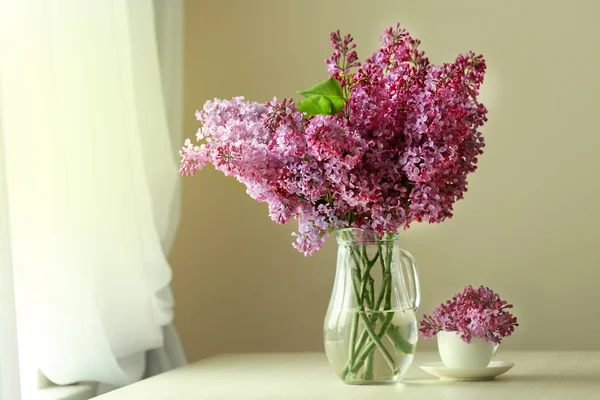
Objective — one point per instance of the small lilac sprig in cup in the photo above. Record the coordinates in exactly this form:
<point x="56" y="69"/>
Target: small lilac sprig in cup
<point x="473" y="313"/>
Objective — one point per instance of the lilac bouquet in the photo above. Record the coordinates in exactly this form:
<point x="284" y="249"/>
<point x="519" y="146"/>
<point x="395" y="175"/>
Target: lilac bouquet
<point x="474" y="313"/>
<point x="376" y="146"/>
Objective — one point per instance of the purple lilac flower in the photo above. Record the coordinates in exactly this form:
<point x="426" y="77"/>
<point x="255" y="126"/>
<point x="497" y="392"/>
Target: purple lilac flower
<point x="399" y="151"/>
<point x="474" y="313"/>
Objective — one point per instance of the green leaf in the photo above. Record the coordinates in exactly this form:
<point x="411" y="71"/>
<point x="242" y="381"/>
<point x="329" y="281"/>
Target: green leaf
<point x="315" y="105"/>
<point x="337" y="103"/>
<point x="325" y="98"/>
<point x="329" y="87"/>
<point x="401" y="345"/>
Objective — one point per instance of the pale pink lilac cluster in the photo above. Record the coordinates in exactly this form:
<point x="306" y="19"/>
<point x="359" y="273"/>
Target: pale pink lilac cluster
<point x="474" y="313"/>
<point x="399" y="151"/>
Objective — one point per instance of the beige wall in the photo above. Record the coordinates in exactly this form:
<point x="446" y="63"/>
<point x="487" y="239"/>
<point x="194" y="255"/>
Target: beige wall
<point x="529" y="226"/>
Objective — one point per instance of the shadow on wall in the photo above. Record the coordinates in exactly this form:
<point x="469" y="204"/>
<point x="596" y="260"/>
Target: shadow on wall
<point x="240" y="285"/>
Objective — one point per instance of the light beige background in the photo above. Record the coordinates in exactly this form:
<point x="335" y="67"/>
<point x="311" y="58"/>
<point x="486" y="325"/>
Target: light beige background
<point x="529" y="226"/>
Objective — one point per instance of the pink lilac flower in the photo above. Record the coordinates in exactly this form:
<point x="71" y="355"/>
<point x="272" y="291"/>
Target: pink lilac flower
<point x="474" y="313"/>
<point x="399" y="151"/>
<point x="344" y="57"/>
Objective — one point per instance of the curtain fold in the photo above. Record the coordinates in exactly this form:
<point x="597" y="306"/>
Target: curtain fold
<point x="92" y="186"/>
<point x="168" y="20"/>
<point x="9" y="357"/>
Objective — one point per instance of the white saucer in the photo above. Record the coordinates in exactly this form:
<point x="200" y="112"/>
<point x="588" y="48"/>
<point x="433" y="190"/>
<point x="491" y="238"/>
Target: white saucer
<point x="496" y="368"/>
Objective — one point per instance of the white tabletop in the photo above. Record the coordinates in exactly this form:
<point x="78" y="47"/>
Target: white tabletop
<point x="536" y="375"/>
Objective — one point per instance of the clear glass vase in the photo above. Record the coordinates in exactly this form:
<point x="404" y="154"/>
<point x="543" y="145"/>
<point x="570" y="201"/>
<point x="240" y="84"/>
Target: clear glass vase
<point x="371" y="330"/>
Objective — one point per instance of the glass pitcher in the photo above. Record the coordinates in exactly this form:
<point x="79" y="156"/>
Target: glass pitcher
<point x="370" y="329"/>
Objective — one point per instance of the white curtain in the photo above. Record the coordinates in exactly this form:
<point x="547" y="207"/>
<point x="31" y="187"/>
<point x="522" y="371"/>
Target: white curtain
<point x="9" y="362"/>
<point x="91" y="184"/>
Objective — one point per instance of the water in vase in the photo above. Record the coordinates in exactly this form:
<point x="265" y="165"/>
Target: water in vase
<point x="369" y="362"/>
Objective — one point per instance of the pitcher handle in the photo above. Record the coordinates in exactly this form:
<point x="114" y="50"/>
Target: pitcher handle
<point x="495" y="349"/>
<point x="415" y="278"/>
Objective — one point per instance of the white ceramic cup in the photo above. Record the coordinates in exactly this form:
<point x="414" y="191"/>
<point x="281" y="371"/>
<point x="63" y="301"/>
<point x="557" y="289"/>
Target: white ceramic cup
<point x="455" y="353"/>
